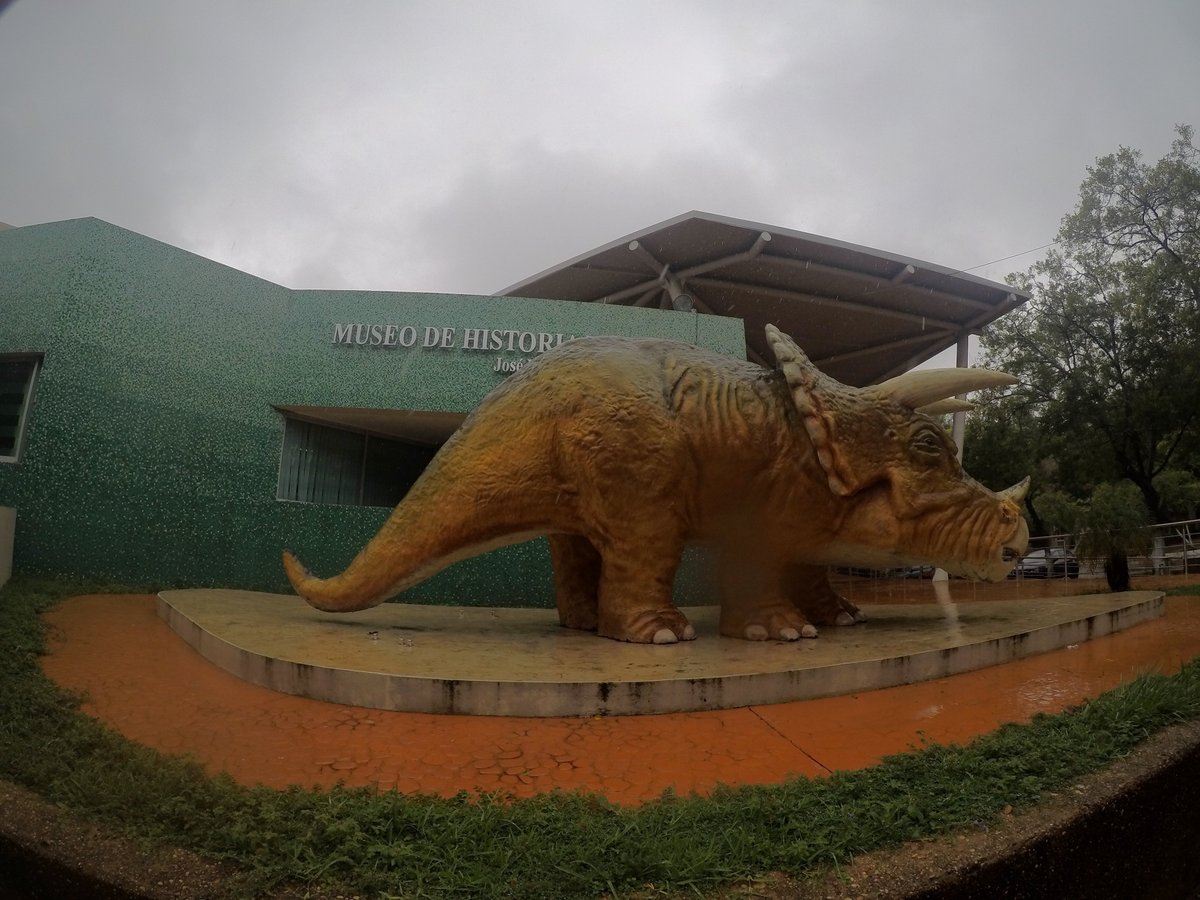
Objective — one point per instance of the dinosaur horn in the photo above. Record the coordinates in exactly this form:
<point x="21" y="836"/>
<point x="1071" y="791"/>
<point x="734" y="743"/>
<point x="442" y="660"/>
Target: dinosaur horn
<point x="942" y="407"/>
<point x="1017" y="492"/>
<point x="926" y="386"/>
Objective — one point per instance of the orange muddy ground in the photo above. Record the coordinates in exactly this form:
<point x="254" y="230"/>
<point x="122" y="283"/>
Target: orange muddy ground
<point x="149" y="685"/>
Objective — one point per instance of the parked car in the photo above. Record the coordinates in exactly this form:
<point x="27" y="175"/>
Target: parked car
<point x="1048" y="563"/>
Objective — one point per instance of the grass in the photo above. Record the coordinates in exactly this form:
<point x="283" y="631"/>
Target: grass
<point x="558" y="845"/>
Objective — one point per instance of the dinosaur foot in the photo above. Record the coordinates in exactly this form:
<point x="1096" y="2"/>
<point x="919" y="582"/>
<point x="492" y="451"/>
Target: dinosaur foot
<point x="833" y="609"/>
<point x="652" y="626"/>
<point x="579" y="615"/>
<point x="770" y="624"/>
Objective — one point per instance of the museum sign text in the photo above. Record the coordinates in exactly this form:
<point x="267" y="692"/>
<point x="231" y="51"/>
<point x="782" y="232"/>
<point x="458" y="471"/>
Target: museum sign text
<point x="468" y="340"/>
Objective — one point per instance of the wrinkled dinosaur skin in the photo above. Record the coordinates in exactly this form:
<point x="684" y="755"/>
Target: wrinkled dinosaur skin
<point x="623" y="451"/>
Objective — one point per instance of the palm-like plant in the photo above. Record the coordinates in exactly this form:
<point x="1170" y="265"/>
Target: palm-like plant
<point x="1112" y="525"/>
<point x="1115" y="525"/>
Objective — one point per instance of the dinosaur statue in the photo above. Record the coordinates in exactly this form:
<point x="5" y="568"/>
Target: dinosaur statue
<point x="622" y="451"/>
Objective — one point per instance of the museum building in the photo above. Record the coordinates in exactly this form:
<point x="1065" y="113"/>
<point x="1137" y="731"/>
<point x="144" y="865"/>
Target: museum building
<point x="168" y="420"/>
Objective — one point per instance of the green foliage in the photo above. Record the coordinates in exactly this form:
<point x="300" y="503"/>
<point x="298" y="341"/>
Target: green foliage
<point x="1180" y="493"/>
<point x="1108" y="349"/>
<point x="1114" y="520"/>
<point x="559" y="845"/>
<point x="1061" y="512"/>
<point x="1111" y="525"/>
<point x="1010" y="437"/>
<point x="1114" y="523"/>
<point x="1003" y="444"/>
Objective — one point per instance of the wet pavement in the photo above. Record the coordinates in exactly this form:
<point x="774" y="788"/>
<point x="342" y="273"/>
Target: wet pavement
<point x="145" y="682"/>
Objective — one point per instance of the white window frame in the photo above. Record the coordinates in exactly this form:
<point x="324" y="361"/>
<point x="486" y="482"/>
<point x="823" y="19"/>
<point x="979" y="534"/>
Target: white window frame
<point x="336" y="428"/>
<point x="361" y="484"/>
<point x="26" y="403"/>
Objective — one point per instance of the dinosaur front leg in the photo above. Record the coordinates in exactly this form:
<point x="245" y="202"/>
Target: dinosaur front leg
<point x="576" y="580"/>
<point x="810" y="590"/>
<point x="636" y="583"/>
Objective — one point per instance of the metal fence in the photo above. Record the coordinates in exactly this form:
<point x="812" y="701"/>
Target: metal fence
<point x="1176" y="552"/>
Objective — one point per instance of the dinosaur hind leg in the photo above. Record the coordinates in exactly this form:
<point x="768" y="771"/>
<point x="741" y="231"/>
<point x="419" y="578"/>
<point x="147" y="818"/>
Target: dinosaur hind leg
<point x="637" y="577"/>
<point x="576" y="580"/>
<point x="810" y="590"/>
<point x="755" y="604"/>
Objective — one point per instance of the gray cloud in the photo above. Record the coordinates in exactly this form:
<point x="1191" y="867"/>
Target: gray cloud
<point x="461" y="147"/>
<point x="539" y="208"/>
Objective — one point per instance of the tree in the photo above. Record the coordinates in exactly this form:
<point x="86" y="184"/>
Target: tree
<point x="1179" y="492"/>
<point x="1111" y="525"/>
<point x="1009" y="436"/>
<point x="1108" y="348"/>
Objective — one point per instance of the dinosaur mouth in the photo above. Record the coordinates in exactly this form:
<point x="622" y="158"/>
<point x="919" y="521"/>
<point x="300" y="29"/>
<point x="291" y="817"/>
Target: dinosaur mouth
<point x="1006" y="555"/>
<point x="1014" y="548"/>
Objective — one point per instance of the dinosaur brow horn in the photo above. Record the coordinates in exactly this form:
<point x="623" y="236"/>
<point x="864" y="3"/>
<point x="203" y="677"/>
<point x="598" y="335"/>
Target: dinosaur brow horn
<point x="941" y="407"/>
<point x="923" y="387"/>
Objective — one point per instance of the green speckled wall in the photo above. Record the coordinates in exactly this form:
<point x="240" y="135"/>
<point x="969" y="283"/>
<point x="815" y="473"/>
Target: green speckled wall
<point x="152" y="447"/>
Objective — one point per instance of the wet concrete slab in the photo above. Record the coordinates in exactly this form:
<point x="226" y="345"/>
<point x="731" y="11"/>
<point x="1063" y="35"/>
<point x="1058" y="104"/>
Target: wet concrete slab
<point x="139" y="678"/>
<point x="520" y="662"/>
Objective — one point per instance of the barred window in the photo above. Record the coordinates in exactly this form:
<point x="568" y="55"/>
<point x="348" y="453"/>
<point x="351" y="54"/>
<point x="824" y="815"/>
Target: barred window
<point x="18" y="374"/>
<point x="323" y="464"/>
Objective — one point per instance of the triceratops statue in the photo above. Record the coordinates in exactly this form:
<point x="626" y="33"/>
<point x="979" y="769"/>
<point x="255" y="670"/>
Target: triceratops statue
<point x="622" y="451"/>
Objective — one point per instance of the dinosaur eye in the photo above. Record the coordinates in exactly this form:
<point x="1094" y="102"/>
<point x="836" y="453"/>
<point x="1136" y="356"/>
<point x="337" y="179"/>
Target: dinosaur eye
<point x="926" y="444"/>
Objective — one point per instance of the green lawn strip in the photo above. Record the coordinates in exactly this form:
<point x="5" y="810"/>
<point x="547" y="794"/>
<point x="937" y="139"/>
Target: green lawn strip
<point x="557" y="845"/>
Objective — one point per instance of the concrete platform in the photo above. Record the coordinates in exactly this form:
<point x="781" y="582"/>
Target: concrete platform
<point x="520" y="662"/>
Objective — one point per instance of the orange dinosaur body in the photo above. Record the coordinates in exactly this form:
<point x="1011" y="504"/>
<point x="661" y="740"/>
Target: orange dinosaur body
<point x="624" y="451"/>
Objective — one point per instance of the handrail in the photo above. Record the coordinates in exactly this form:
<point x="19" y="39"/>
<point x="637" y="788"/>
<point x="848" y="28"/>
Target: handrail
<point x="1176" y="549"/>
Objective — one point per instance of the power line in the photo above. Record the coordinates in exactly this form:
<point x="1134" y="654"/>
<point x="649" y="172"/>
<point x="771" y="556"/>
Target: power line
<point x="1006" y="258"/>
<point x="888" y="287"/>
<point x="1104" y="236"/>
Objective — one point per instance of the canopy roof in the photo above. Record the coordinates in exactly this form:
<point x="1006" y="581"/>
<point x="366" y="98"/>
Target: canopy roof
<point x="862" y="315"/>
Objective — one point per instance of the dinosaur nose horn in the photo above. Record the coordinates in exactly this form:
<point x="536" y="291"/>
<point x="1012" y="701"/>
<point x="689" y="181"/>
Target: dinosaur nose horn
<point x="1017" y="492"/>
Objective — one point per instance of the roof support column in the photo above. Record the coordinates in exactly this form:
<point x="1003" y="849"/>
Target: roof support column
<point x="958" y="431"/>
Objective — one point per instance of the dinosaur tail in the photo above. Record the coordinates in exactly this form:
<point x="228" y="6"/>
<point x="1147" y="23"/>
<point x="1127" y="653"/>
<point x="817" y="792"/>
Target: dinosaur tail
<point x="463" y="505"/>
<point x="361" y="586"/>
<point x="385" y="568"/>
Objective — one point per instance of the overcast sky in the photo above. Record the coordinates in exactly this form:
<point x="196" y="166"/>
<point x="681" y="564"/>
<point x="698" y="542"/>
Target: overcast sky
<point x="461" y="146"/>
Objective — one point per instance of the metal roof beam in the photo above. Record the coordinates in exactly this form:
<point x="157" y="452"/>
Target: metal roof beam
<point x="700" y="305"/>
<point x="947" y="340"/>
<point x="648" y="297"/>
<point x="836" y="303"/>
<point x="879" y="285"/>
<point x="881" y="348"/>
<point x="674" y="295"/>
<point x="1011" y="302"/>
<point x="648" y="259"/>
<point x="987" y="311"/>
<point x="760" y="244"/>
<point x="625" y="293"/>
<point x="613" y="270"/>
